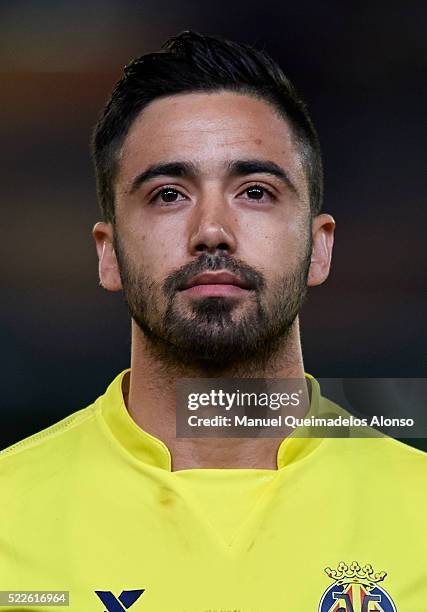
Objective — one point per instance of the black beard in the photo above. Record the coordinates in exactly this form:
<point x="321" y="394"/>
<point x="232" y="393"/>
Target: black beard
<point x="209" y="339"/>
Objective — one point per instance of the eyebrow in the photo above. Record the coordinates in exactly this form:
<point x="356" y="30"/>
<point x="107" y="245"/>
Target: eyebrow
<point x="181" y="169"/>
<point x="241" y="167"/>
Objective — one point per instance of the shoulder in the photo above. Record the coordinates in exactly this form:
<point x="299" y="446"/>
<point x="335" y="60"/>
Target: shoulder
<point x="376" y="446"/>
<point x="381" y="464"/>
<point x="68" y="442"/>
<point x="403" y="457"/>
<point x="35" y="458"/>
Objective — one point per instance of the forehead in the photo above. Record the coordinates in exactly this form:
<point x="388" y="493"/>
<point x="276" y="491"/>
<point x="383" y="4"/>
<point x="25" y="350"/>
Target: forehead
<point x="209" y="129"/>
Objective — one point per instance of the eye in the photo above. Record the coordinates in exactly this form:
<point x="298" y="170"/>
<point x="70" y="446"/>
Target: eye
<point x="167" y="195"/>
<point x="258" y="193"/>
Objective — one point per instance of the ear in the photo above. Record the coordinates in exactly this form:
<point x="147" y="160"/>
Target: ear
<point x="323" y="227"/>
<point x="109" y="275"/>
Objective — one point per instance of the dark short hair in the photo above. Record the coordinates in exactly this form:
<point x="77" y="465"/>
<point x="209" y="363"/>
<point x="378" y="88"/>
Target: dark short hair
<point x="192" y="62"/>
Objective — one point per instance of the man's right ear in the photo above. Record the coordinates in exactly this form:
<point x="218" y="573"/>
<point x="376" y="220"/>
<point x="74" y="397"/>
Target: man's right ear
<point x="109" y="276"/>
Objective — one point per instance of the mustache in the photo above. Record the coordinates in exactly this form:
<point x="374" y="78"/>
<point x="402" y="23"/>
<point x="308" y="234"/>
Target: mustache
<point x="208" y="262"/>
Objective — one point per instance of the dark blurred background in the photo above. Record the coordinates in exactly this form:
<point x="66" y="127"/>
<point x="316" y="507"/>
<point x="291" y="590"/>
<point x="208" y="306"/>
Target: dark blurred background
<point x="361" y="67"/>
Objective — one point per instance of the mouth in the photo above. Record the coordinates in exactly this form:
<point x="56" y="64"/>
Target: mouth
<point x="216" y="284"/>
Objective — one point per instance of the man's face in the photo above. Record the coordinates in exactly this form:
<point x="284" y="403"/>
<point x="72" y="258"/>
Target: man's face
<point x="210" y="185"/>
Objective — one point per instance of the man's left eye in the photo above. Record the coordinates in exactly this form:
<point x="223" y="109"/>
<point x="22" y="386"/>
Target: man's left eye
<point x="257" y="192"/>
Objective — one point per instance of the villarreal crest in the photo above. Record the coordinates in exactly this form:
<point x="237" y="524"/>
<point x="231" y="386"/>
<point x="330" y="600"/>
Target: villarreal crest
<point x="355" y="589"/>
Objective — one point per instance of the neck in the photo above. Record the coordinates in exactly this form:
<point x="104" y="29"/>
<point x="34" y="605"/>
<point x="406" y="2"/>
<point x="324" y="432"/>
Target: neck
<point x="151" y="403"/>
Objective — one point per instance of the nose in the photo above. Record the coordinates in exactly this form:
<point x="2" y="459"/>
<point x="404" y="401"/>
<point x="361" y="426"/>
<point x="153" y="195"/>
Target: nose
<point x="212" y="230"/>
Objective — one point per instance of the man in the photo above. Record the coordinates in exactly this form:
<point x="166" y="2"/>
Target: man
<point x="210" y="182"/>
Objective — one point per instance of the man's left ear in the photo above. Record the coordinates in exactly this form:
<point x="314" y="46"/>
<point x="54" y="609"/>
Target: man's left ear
<point x="323" y="227"/>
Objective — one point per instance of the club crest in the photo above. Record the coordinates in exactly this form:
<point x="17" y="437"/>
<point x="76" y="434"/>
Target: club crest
<point x="355" y="589"/>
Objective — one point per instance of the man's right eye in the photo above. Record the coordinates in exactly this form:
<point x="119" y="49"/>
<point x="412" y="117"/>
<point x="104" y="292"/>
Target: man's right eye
<point x="167" y="195"/>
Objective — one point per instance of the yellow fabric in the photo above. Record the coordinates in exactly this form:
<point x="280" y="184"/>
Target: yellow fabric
<point x="91" y="504"/>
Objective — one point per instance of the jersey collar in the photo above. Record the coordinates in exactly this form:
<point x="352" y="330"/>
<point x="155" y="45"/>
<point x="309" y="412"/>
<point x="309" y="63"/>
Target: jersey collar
<point x="152" y="451"/>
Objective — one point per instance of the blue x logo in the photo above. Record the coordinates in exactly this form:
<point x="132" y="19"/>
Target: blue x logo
<point x="117" y="604"/>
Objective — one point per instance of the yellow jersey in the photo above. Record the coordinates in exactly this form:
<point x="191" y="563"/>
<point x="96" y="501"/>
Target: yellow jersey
<point x="91" y="506"/>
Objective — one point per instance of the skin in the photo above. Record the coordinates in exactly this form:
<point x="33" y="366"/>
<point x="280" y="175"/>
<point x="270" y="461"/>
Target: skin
<point x="213" y="210"/>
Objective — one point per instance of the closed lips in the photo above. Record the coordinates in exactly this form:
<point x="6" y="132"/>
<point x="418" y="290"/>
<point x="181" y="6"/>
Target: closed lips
<point x="216" y="278"/>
